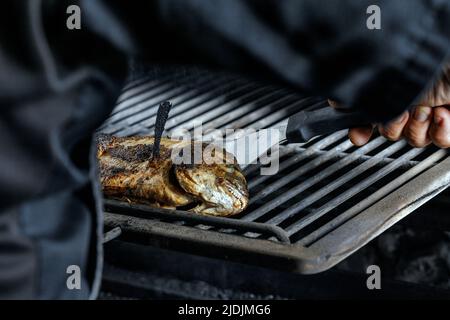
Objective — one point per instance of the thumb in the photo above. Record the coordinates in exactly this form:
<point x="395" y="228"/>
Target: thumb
<point x="358" y="136"/>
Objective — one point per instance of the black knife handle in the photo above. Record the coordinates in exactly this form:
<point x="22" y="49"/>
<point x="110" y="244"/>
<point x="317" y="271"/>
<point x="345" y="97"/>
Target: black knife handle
<point x="305" y="125"/>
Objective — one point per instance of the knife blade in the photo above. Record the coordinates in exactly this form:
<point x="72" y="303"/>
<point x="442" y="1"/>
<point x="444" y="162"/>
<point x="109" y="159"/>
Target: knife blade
<point x="299" y="128"/>
<point x="251" y="145"/>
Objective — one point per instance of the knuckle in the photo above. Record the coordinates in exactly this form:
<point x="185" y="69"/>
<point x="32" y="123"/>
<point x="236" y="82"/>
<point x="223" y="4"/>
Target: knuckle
<point x="390" y="133"/>
<point x="415" y="138"/>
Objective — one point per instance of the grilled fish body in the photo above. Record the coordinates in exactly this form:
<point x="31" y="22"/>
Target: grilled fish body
<point x="128" y="171"/>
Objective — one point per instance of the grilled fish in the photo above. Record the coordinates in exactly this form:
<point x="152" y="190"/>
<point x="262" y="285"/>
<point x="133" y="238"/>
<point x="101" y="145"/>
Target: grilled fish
<point x="128" y="171"/>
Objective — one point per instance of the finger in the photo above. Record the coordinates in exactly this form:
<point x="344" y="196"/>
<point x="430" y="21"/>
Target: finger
<point x="361" y="135"/>
<point x="333" y="104"/>
<point x="439" y="93"/>
<point x="416" y="130"/>
<point x="358" y="136"/>
<point x="393" y="130"/>
<point x="440" y="128"/>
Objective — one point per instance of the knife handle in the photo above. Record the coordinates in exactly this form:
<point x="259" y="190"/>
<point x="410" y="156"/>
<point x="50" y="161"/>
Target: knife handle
<point x="305" y="125"/>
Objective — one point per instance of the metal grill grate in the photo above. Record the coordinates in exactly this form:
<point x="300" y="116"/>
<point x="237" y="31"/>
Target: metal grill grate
<point x="327" y="200"/>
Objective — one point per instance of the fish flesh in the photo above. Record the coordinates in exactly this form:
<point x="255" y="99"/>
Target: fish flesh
<point x="128" y="171"/>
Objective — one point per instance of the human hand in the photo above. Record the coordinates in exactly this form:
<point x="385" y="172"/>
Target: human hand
<point x="427" y="123"/>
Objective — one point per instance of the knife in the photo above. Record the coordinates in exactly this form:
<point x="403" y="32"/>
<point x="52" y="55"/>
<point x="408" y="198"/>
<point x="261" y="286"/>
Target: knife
<point x="250" y="145"/>
<point x="306" y="125"/>
<point x="298" y="128"/>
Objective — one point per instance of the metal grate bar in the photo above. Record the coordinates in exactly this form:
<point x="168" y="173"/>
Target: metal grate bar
<point x="134" y="102"/>
<point x="276" y="202"/>
<point x="142" y="86"/>
<point x="200" y="86"/>
<point x="309" y="182"/>
<point x="148" y="106"/>
<point x="132" y="84"/>
<point x="364" y="157"/>
<point x="292" y="177"/>
<point x="264" y="93"/>
<point x="211" y="221"/>
<point x="188" y="101"/>
<point x="284" y="150"/>
<point x="308" y="219"/>
<point x="142" y="101"/>
<point x="374" y="197"/>
<point x="233" y="96"/>
<point x="338" y="182"/>
<point x="263" y="117"/>
<point x="275" y="118"/>
<point x="297" y="157"/>
<point x="248" y="110"/>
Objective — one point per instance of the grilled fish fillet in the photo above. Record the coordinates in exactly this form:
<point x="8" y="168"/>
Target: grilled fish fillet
<point x="129" y="172"/>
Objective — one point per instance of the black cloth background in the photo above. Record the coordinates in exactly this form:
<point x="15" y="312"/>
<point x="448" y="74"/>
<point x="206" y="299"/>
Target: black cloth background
<point x="58" y="85"/>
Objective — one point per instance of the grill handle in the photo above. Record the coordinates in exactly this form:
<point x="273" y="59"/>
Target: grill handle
<point x="305" y="125"/>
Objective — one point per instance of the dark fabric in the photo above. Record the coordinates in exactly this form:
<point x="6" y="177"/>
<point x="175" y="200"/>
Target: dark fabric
<point x="54" y="91"/>
<point x="58" y="85"/>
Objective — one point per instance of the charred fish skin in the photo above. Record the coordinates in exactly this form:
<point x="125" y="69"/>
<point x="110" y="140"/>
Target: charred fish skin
<point x="129" y="171"/>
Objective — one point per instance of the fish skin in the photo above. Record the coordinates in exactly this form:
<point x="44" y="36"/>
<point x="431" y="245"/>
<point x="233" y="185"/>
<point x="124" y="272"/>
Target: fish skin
<point x="129" y="172"/>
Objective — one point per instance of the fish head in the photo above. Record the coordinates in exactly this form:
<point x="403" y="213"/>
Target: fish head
<point x="219" y="185"/>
